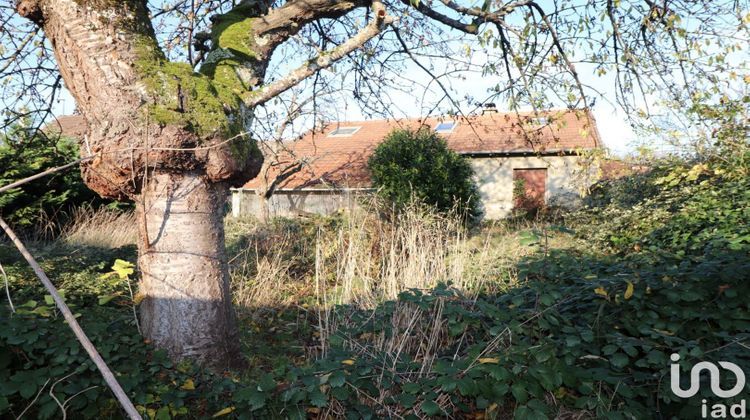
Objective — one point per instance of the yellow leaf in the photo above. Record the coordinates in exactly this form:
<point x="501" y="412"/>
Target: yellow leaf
<point x="485" y="360"/>
<point x="347" y="362"/>
<point x="188" y="385"/>
<point x="223" y="412"/>
<point x="600" y="291"/>
<point x="629" y="291"/>
<point x="123" y="268"/>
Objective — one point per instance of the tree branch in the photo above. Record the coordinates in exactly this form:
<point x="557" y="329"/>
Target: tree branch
<point x="324" y="60"/>
<point x="470" y="28"/>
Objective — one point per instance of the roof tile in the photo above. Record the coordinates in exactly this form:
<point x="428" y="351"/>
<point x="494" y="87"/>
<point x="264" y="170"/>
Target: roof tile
<point x="341" y="161"/>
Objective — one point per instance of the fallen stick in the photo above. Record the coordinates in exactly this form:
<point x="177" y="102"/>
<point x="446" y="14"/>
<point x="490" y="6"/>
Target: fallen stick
<point x="109" y="378"/>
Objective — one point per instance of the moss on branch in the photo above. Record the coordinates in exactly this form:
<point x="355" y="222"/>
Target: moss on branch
<point x="181" y="96"/>
<point x="232" y="62"/>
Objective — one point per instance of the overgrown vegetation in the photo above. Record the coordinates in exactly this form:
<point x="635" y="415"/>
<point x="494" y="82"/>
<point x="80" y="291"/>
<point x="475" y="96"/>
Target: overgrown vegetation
<point x="410" y="165"/>
<point x="354" y="316"/>
<point x="39" y="204"/>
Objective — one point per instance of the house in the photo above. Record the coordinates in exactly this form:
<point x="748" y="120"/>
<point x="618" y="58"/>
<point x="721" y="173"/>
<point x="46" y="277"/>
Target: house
<point x="543" y="153"/>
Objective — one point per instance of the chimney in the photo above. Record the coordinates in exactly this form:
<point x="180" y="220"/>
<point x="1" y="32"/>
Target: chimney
<point x="489" y="108"/>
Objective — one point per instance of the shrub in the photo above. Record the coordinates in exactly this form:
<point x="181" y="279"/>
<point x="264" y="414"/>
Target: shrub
<point x="418" y="164"/>
<point x="23" y="154"/>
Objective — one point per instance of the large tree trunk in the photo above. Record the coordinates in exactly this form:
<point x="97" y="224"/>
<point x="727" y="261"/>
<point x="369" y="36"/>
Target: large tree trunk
<point x="186" y="308"/>
<point x="146" y="115"/>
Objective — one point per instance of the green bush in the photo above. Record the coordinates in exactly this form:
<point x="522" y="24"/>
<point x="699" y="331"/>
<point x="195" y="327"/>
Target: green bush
<point x="684" y="209"/>
<point x="418" y="165"/>
<point x="23" y="154"/>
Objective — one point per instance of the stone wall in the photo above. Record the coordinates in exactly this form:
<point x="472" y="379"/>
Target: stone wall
<point x="292" y="203"/>
<point x="567" y="181"/>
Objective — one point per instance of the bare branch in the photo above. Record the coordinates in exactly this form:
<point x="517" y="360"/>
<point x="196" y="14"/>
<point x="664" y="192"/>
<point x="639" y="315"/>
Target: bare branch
<point x="471" y="28"/>
<point x="323" y="61"/>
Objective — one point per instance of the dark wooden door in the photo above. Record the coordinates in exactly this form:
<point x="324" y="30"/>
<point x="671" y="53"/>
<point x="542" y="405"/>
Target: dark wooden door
<point x="529" y="187"/>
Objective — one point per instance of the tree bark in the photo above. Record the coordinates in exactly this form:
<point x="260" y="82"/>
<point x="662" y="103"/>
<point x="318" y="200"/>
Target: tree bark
<point x="186" y="307"/>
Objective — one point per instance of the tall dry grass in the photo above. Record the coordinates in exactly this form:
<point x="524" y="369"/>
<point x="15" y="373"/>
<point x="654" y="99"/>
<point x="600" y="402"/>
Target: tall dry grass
<point x="372" y="258"/>
<point x="365" y="257"/>
<point x="99" y="228"/>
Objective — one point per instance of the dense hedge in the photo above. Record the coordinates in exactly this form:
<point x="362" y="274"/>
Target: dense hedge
<point x="419" y="164"/>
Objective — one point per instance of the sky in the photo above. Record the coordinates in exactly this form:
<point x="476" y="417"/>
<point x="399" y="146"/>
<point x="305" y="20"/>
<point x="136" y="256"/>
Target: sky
<point x="612" y="122"/>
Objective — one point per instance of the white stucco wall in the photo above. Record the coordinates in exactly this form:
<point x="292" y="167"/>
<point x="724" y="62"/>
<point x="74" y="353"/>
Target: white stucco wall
<point x="286" y="203"/>
<point x="566" y="181"/>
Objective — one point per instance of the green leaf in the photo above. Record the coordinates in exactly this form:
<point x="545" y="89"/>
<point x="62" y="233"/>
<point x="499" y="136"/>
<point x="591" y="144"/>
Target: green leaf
<point x="410" y="387"/>
<point x="609" y="349"/>
<point x="430" y="408"/>
<point x="337" y="379"/>
<point x="572" y="341"/>
<point x="544" y="354"/>
<point x="163" y="414"/>
<point x="341" y="393"/>
<point x="406" y="400"/>
<point x="499" y="373"/>
<point x="317" y="398"/>
<point x="256" y="399"/>
<point x="27" y="389"/>
<point x="519" y="392"/>
<point x="467" y="387"/>
<point x="29" y="304"/>
<point x="123" y="268"/>
<point x="619" y="360"/>
<point x="103" y="300"/>
<point x="528" y="238"/>
<point x="267" y="383"/>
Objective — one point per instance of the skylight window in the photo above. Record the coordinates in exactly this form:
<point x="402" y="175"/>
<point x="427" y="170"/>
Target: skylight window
<point x="343" y="131"/>
<point x="540" y="121"/>
<point x="445" y="127"/>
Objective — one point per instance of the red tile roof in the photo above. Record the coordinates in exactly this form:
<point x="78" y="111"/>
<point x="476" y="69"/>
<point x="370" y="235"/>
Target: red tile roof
<point x="341" y="161"/>
<point x="612" y="169"/>
<point x="74" y="126"/>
